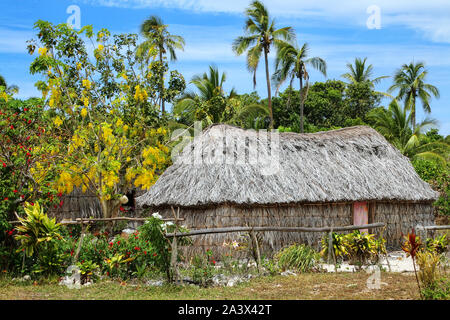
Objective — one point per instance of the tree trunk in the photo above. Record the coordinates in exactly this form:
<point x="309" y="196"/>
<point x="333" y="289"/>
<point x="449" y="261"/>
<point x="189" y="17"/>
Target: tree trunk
<point x="413" y="112"/>
<point x="161" y="94"/>
<point x="301" y="104"/>
<point x="109" y="210"/>
<point x="269" y="93"/>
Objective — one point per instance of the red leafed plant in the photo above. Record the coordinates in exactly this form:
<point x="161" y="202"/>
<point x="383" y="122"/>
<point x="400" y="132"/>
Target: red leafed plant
<point x="411" y="246"/>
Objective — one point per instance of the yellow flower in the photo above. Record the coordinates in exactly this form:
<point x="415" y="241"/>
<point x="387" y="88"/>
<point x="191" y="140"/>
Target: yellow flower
<point x="4" y="96"/>
<point x="100" y="47"/>
<point x="86" y="101"/>
<point x="78" y="66"/>
<point x="84" y="112"/>
<point x="42" y="51"/>
<point x="58" y="121"/>
<point x="86" y="83"/>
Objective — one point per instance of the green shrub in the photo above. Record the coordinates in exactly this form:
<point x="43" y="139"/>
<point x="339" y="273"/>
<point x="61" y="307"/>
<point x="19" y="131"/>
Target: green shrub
<point x="40" y="236"/>
<point x="297" y="257"/>
<point x="202" y="268"/>
<point x="439" y="290"/>
<point x="87" y="270"/>
<point x="356" y="247"/>
<point x="364" y="248"/>
<point x="153" y="231"/>
<point x="339" y="245"/>
<point x="433" y="286"/>
<point x="438" y="244"/>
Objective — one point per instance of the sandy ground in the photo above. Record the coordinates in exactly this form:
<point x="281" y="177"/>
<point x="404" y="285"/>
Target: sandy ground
<point x="396" y="262"/>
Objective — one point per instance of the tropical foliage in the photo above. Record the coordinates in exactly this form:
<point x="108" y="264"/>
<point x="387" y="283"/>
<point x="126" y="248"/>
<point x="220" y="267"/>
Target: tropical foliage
<point x="104" y="121"/>
<point x="261" y="35"/>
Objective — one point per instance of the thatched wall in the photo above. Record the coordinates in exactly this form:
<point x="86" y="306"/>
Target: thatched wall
<point x="400" y="217"/>
<point x="86" y="205"/>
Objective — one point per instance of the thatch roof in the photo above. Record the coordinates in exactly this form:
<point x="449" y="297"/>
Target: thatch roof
<point x="350" y="164"/>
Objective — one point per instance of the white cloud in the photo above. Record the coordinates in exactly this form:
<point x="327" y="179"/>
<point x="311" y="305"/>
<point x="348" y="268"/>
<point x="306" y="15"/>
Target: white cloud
<point x="14" y="41"/>
<point x="430" y="18"/>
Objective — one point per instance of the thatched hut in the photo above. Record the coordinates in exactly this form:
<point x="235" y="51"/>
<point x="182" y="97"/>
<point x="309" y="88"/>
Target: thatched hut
<point x="227" y="176"/>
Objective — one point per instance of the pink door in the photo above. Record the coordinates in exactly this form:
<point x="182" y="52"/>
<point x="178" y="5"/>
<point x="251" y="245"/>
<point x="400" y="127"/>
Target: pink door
<point x="360" y="214"/>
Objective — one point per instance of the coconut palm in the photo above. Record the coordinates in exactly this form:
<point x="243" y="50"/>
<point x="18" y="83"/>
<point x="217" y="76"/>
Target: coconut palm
<point x="12" y="89"/>
<point x="209" y="86"/>
<point x="156" y="35"/>
<point x="291" y="62"/>
<point x="212" y="104"/>
<point x="260" y="35"/>
<point x="359" y="72"/>
<point x="409" y="80"/>
<point x="395" y="124"/>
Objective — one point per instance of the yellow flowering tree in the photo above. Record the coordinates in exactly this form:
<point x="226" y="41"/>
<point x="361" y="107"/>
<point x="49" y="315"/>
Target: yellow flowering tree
<point x="103" y="110"/>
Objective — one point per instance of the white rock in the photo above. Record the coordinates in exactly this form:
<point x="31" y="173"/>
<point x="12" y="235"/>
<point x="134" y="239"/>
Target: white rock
<point x="154" y="283"/>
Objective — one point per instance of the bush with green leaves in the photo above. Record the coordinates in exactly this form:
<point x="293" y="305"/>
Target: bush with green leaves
<point x="438" y="176"/>
<point x="298" y="257"/>
<point x="88" y="271"/>
<point x="356" y="247"/>
<point x="40" y="236"/>
<point x="439" y="244"/>
<point x="153" y="231"/>
<point x="433" y="286"/>
<point x="339" y="245"/>
<point x="203" y="268"/>
<point x="364" y="248"/>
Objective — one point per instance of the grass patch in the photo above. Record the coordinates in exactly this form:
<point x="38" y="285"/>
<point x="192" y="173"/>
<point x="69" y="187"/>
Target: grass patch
<point x="317" y="286"/>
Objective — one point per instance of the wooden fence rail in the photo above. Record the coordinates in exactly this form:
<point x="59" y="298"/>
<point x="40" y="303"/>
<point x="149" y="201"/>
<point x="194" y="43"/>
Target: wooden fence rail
<point x="252" y="231"/>
<point x="281" y="229"/>
<point x="422" y="231"/>
<point x="92" y="220"/>
<point x="446" y="227"/>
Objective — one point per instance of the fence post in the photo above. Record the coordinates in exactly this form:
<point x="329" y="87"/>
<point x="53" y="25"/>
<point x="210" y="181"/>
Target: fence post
<point x="330" y="245"/>
<point x="174" y="247"/>
<point x="75" y="258"/>
<point x="258" y="254"/>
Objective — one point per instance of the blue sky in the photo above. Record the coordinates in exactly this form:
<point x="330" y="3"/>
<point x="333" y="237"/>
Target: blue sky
<point x="335" y="30"/>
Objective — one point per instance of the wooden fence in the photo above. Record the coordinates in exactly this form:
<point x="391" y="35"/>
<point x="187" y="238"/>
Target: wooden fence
<point x="251" y="231"/>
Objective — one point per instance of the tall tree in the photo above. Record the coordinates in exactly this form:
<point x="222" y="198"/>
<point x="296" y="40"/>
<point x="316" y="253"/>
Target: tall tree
<point x="156" y="35"/>
<point x="260" y="35"/>
<point x="395" y="124"/>
<point x="12" y="89"/>
<point x="213" y="105"/>
<point x="409" y="80"/>
<point x="291" y="62"/>
<point x="359" y="72"/>
<point x="194" y="106"/>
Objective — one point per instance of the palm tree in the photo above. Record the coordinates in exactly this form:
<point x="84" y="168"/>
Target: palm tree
<point x="9" y="89"/>
<point x="155" y="32"/>
<point x="410" y="81"/>
<point x="291" y="62"/>
<point x="211" y="102"/>
<point x="260" y="35"/>
<point x="395" y="124"/>
<point x="359" y="72"/>
<point x="209" y="86"/>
